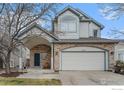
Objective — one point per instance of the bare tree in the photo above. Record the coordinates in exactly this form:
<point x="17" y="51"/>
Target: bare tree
<point x="16" y="17"/>
<point x="113" y="12"/>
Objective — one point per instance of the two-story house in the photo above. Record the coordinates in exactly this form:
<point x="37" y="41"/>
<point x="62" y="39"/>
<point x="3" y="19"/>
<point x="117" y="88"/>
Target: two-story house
<point x="75" y="43"/>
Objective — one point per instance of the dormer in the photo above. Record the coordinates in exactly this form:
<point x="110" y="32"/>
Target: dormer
<point x="71" y="23"/>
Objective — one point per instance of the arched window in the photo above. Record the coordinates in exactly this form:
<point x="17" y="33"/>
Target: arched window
<point x="68" y="24"/>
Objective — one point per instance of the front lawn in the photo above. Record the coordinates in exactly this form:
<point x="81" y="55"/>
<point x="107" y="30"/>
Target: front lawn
<point x="23" y="81"/>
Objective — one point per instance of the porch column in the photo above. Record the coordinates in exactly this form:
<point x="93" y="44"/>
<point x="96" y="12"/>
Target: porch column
<point x="20" y="63"/>
<point x="20" y="58"/>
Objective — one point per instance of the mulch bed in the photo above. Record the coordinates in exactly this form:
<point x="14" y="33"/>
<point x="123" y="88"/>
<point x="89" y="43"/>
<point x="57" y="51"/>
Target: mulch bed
<point x="12" y="74"/>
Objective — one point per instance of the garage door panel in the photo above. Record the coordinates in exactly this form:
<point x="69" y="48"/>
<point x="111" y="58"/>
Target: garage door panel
<point x="82" y="61"/>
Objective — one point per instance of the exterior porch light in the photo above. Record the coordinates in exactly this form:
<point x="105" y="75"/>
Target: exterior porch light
<point x="112" y="52"/>
<point x="56" y="53"/>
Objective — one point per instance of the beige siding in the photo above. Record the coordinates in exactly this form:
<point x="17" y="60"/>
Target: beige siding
<point x="84" y="29"/>
<point x="92" y="27"/>
<point x="66" y="35"/>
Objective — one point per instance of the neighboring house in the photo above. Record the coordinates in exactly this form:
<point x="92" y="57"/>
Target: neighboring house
<point x="74" y="43"/>
<point x="15" y="55"/>
<point x="119" y="51"/>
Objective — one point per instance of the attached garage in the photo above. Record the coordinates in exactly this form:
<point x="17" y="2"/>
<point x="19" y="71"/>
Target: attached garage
<point x="84" y="58"/>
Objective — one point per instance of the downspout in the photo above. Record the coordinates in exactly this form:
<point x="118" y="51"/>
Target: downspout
<point x="53" y="57"/>
<point x="89" y="29"/>
<point x="53" y="43"/>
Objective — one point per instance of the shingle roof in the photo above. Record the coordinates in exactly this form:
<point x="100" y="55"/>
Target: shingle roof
<point x="39" y="27"/>
<point x="87" y="40"/>
<point x="120" y="40"/>
<point x="81" y="40"/>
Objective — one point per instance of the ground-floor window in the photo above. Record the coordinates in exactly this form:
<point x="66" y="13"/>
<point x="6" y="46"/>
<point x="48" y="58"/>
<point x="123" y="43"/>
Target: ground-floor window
<point x="121" y="56"/>
<point x="12" y="63"/>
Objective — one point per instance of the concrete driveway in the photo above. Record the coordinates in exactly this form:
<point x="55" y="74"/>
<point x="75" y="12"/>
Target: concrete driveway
<point x="90" y="78"/>
<point x="77" y="77"/>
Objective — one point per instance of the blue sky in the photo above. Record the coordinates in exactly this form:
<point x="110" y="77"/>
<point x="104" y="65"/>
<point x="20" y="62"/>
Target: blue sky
<point x="93" y="11"/>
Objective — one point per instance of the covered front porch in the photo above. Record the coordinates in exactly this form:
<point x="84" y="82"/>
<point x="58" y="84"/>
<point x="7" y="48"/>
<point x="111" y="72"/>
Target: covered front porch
<point x="39" y="48"/>
<point x="40" y="52"/>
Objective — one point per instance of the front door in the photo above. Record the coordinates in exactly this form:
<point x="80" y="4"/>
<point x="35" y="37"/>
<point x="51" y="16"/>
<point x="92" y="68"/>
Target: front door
<point x="37" y="59"/>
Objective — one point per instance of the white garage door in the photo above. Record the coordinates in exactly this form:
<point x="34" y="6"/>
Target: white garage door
<point x="75" y="60"/>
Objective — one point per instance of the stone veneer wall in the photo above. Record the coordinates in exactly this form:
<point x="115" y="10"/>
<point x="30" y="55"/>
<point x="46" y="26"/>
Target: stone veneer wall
<point x="42" y="49"/>
<point x="59" y="47"/>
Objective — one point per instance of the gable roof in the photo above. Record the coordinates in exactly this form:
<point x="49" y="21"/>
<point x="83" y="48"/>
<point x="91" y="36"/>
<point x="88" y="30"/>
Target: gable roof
<point x="35" y="25"/>
<point x="80" y="14"/>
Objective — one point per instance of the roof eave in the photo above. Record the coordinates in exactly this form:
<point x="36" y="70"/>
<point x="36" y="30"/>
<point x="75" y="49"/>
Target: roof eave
<point x="63" y="42"/>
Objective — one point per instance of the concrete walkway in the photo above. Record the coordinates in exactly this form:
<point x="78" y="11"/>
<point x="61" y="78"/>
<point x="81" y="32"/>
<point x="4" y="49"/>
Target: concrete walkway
<point x="39" y="74"/>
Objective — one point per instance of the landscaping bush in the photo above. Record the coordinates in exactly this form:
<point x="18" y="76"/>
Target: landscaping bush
<point x="119" y="66"/>
<point x="1" y="62"/>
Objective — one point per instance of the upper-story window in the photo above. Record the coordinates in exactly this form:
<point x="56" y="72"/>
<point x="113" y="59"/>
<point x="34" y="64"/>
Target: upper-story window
<point x="95" y="33"/>
<point x="68" y="24"/>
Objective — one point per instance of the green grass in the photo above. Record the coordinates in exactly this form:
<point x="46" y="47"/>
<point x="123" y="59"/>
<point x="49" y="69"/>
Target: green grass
<point x="23" y="81"/>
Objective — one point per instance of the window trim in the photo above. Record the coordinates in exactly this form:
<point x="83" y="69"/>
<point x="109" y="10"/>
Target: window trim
<point x="67" y="23"/>
<point x="95" y="33"/>
<point x="121" y="55"/>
